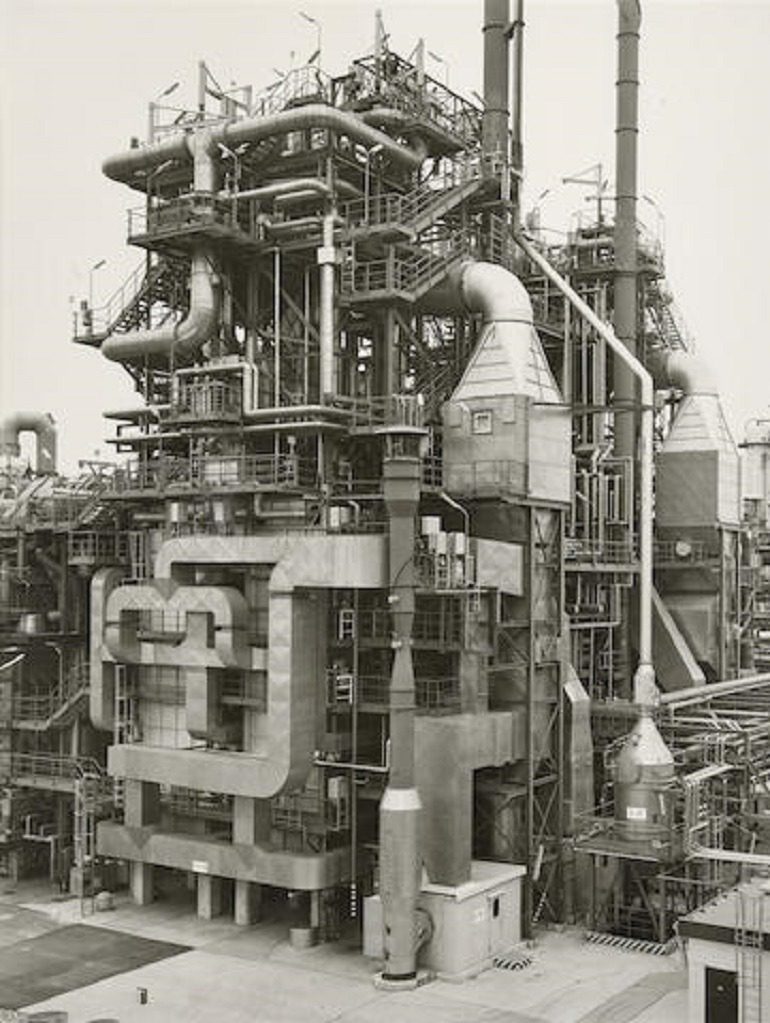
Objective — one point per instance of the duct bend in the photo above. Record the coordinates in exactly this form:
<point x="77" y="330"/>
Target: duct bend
<point x="684" y="370"/>
<point x="182" y="340"/>
<point x="495" y="292"/>
<point x="44" y="428"/>
<point x="397" y="120"/>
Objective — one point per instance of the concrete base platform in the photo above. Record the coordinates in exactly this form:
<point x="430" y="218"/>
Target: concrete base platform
<point x="253" y="975"/>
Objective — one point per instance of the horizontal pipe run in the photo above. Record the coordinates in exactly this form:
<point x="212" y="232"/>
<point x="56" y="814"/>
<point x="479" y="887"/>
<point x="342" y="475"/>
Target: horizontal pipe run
<point x="124" y="166"/>
<point x="701" y="694"/>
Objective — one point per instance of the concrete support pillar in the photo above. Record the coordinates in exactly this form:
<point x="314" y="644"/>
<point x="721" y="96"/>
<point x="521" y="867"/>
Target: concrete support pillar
<point x="142" y="883"/>
<point x="142" y="803"/>
<point x="251" y="820"/>
<point x="209" y="896"/>
<point x="248" y="902"/>
<point x="315" y="909"/>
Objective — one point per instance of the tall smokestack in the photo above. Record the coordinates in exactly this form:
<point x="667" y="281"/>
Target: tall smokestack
<point x="517" y="142"/>
<point x="626" y="132"/>
<point x="494" y="128"/>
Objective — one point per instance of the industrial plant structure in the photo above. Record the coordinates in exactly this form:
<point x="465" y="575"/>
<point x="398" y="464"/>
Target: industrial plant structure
<point x="422" y="591"/>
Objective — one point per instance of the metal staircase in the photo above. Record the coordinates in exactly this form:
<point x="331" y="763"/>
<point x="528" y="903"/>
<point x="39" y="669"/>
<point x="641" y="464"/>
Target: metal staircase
<point x="416" y="210"/>
<point x="409" y="273"/>
<point x="145" y="297"/>
<point x="55" y="708"/>
<point x="668" y="329"/>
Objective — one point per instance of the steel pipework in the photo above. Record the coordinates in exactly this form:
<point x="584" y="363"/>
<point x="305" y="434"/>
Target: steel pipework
<point x="645" y="688"/>
<point x="44" y="428"/>
<point x="684" y="370"/>
<point x="181" y="340"/>
<point x="123" y="166"/>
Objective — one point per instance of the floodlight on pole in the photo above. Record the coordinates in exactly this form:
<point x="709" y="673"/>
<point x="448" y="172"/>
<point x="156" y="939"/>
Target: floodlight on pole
<point x="91" y="272"/>
<point x="440" y="60"/>
<point x="314" y="21"/>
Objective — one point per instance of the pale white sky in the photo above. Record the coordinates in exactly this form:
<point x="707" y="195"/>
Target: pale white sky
<point x="76" y="78"/>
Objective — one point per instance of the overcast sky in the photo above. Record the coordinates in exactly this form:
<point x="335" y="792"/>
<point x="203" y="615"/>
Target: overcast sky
<point x="76" y="79"/>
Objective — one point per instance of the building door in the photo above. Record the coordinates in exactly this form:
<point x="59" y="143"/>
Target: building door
<point x="498" y="913"/>
<point x="721" y="996"/>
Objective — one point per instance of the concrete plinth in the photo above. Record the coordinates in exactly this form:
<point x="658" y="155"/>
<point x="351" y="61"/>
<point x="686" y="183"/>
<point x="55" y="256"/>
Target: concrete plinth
<point x="142" y="883"/>
<point x="248" y="903"/>
<point x="209" y="896"/>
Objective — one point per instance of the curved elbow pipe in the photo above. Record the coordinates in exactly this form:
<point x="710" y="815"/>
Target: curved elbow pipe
<point x="124" y="166"/>
<point x="495" y="292"/>
<point x="684" y="370"/>
<point x="183" y="339"/>
<point x="397" y="120"/>
<point x="44" y="428"/>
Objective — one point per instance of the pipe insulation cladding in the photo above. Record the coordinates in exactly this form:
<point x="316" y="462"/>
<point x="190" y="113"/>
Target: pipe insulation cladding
<point x="43" y="426"/>
<point x="181" y="340"/>
<point x="125" y="166"/>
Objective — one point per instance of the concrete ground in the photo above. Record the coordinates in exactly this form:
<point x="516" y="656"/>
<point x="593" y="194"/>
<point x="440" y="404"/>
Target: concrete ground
<point x="253" y="975"/>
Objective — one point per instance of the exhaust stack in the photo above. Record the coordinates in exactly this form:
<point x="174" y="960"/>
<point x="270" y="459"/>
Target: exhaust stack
<point x="494" y="128"/>
<point x="626" y="132"/>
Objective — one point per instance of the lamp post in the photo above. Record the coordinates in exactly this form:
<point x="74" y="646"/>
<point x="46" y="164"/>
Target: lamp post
<point x="91" y="272"/>
<point x="152" y="108"/>
<point x="661" y="224"/>
<point x="441" y="60"/>
<point x="367" y="175"/>
<point x="317" y="23"/>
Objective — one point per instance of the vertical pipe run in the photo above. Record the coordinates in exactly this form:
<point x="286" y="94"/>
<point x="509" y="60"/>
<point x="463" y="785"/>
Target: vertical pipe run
<point x="645" y="688"/>
<point x="517" y="140"/>
<point x="494" y="125"/>
<point x="277" y="328"/>
<point x="326" y="262"/>
<point x="625" y="279"/>
<point x="400" y="805"/>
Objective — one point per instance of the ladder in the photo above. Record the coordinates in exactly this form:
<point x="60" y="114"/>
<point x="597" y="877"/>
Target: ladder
<point x="87" y="791"/>
<point x="748" y="953"/>
<point x="124" y="729"/>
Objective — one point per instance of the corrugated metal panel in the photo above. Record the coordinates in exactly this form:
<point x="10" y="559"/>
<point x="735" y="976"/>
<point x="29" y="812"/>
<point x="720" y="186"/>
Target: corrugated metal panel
<point x="686" y="488"/>
<point x="729" y="489"/>
<point x="700" y="426"/>
<point x="550" y="466"/>
<point x="508" y="360"/>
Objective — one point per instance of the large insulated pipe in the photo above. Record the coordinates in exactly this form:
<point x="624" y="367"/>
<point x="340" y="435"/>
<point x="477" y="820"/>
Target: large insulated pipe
<point x="123" y="166"/>
<point x="326" y="262"/>
<point x="182" y="340"/>
<point x="43" y="426"/>
<point x="645" y="688"/>
<point x="494" y="125"/>
<point x="625" y="277"/>
<point x="497" y="294"/>
<point x="685" y="371"/>
<point x="400" y="804"/>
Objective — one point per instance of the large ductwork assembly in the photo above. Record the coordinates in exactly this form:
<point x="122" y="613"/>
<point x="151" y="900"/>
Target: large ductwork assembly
<point x="44" y="428"/>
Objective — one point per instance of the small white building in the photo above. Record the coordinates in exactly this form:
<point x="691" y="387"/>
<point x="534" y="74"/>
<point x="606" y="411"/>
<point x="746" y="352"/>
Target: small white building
<point x="728" y="956"/>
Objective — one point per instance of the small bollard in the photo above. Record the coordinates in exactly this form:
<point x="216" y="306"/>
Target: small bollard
<point x="141" y="995"/>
